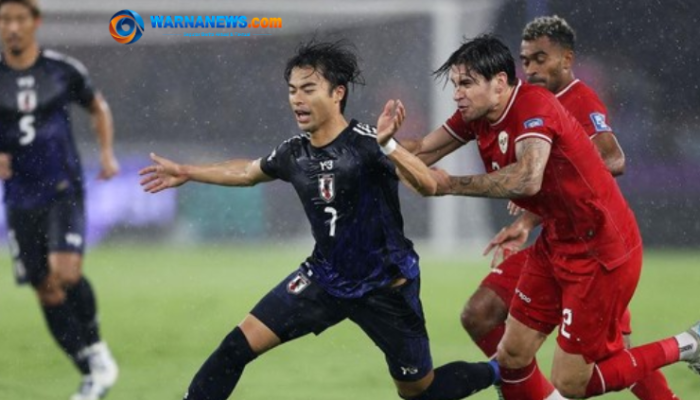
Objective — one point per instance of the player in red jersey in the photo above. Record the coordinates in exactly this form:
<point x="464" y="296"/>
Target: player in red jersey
<point x="547" y="55"/>
<point x="583" y="270"/>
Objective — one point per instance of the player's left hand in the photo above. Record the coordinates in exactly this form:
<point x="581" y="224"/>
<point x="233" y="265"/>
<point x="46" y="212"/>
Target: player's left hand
<point x="109" y="166"/>
<point x="389" y="122"/>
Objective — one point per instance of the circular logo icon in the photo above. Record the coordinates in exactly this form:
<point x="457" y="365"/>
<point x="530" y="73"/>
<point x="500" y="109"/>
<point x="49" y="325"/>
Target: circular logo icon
<point x="126" y="26"/>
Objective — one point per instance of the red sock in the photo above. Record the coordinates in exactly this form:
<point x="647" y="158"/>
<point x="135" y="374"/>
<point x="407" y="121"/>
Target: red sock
<point x="489" y="343"/>
<point x="629" y="366"/>
<point x="525" y="384"/>
<point x="653" y="387"/>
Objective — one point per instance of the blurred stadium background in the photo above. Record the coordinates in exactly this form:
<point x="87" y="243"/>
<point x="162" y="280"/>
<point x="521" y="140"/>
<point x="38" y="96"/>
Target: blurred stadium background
<point x="177" y="270"/>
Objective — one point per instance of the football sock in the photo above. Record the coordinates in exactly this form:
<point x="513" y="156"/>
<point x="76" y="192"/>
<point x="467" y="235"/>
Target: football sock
<point x="219" y="375"/>
<point x="629" y="366"/>
<point x="525" y="383"/>
<point x="653" y="387"/>
<point x="81" y="298"/>
<point x="460" y="379"/>
<point x="489" y="342"/>
<point x="67" y="331"/>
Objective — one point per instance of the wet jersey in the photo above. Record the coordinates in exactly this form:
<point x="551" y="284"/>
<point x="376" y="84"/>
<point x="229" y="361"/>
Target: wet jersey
<point x="349" y="191"/>
<point x="583" y="211"/>
<point x="35" y="128"/>
<point x="585" y="105"/>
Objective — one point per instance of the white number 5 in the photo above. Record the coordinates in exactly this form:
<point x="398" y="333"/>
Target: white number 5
<point x="334" y="217"/>
<point x="26" y="125"/>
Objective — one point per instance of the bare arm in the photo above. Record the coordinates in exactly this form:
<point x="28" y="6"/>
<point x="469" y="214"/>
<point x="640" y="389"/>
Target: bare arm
<point x="611" y="152"/>
<point x="433" y="147"/>
<point x="104" y="129"/>
<point x="164" y="174"/>
<point x="520" y="179"/>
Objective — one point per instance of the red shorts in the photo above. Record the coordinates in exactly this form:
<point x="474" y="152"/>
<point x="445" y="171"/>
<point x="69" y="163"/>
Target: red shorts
<point x="504" y="278"/>
<point x="587" y="300"/>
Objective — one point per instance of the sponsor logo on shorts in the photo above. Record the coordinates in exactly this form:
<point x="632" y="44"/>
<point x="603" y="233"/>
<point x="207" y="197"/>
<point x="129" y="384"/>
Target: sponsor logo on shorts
<point x="522" y="296"/>
<point x="74" y="239"/>
<point x="409" y="370"/>
<point x="298" y="284"/>
<point x="496" y="270"/>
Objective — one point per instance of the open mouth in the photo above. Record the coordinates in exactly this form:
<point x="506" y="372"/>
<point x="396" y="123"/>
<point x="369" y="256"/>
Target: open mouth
<point x="302" y="116"/>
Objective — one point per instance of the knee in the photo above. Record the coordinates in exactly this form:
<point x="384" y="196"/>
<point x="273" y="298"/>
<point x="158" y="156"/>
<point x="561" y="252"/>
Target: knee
<point x="50" y="292"/>
<point x="569" y="386"/>
<point x="67" y="269"/>
<point x="512" y="357"/>
<point x="481" y="315"/>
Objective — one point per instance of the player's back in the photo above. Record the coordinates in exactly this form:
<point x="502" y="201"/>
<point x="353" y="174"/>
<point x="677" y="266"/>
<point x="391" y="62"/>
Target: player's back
<point x="349" y="191"/>
<point x="35" y="128"/>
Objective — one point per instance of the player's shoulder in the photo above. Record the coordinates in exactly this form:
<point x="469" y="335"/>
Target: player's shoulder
<point x="579" y="90"/>
<point x="533" y="99"/>
<point x="64" y="60"/>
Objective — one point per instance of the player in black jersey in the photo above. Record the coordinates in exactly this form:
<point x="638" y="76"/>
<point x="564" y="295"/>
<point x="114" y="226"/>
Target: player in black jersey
<point x="43" y="186"/>
<point x="362" y="267"/>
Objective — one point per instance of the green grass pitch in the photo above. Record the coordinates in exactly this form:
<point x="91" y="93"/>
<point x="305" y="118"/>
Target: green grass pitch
<point x="164" y="309"/>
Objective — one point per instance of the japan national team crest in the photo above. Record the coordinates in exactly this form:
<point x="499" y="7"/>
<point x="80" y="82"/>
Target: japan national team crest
<point x="503" y="141"/>
<point x="326" y="187"/>
<point x="298" y="283"/>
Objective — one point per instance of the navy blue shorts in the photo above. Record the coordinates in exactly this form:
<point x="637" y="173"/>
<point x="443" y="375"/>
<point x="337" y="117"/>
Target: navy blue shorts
<point x="34" y="233"/>
<point x="391" y="317"/>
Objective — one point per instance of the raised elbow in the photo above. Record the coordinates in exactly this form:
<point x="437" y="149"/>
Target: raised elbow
<point x="617" y="165"/>
<point x="531" y="188"/>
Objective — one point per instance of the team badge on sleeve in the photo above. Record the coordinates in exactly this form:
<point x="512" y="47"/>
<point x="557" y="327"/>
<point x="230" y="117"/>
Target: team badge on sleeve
<point x="326" y="187"/>
<point x="599" y="123"/>
<point x="533" y="123"/>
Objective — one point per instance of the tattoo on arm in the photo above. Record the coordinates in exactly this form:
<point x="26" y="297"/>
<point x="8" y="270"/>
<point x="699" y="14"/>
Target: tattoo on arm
<point x="521" y="179"/>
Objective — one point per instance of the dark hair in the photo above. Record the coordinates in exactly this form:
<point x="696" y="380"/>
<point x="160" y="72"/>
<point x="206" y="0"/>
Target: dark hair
<point x="33" y="5"/>
<point x="554" y="27"/>
<point x="486" y="55"/>
<point x="336" y="62"/>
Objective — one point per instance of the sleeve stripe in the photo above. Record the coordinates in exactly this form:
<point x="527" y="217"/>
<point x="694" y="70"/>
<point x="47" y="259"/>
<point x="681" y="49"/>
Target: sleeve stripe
<point x="535" y="135"/>
<point x="453" y="134"/>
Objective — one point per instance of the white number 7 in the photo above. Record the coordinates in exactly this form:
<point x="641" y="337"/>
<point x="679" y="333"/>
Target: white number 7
<point x="334" y="217"/>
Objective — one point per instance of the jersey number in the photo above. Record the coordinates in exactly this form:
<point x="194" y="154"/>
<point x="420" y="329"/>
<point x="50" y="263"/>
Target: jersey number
<point x="26" y="125"/>
<point x="567" y="320"/>
<point x="334" y="217"/>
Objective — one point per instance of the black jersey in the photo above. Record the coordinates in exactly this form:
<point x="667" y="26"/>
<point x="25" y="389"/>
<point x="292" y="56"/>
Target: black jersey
<point x="349" y="191"/>
<point x="35" y="128"/>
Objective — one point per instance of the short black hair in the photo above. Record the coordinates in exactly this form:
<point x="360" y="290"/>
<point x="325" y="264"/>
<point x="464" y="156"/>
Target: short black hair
<point x="335" y="61"/>
<point x="486" y="55"/>
<point x="554" y="27"/>
<point x="33" y="6"/>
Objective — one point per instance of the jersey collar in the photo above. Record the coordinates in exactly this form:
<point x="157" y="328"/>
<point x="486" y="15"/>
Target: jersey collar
<point x="566" y="89"/>
<point x="511" y="100"/>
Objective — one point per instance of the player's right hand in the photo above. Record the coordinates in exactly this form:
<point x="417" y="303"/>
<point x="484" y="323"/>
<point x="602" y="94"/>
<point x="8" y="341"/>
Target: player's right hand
<point x="162" y="175"/>
<point x="507" y="242"/>
<point x="5" y="166"/>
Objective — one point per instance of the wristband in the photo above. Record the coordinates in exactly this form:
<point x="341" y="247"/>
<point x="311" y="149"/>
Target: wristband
<point x="389" y="147"/>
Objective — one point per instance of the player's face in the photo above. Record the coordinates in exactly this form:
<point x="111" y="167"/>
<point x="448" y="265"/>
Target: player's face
<point x="17" y="27"/>
<point x="312" y="100"/>
<point x="475" y="96"/>
<point x="545" y="63"/>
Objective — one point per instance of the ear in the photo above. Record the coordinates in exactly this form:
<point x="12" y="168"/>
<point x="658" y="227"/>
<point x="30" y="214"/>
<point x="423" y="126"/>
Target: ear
<point x="568" y="59"/>
<point x="339" y="93"/>
<point x="501" y="81"/>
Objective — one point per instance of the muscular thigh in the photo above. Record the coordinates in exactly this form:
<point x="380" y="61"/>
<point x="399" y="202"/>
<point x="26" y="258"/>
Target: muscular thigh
<point x="297" y="306"/>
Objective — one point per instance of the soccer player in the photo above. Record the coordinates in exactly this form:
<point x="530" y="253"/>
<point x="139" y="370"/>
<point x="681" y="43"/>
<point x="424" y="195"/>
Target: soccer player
<point x="362" y="267"/>
<point x="547" y="55"/>
<point x="583" y="269"/>
<point x="43" y="186"/>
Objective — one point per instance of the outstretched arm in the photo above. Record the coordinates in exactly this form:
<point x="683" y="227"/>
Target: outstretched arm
<point x="104" y="129"/>
<point x="411" y="170"/>
<point x="520" y="179"/>
<point x="611" y="152"/>
<point x="433" y="147"/>
<point x="164" y="174"/>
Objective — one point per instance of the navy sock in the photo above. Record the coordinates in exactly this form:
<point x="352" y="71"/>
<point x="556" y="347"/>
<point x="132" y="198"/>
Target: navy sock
<point x="458" y="380"/>
<point x="219" y="375"/>
<point x="81" y="298"/>
<point x="67" y="331"/>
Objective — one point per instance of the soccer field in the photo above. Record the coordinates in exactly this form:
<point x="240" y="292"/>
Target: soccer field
<point x="165" y="309"/>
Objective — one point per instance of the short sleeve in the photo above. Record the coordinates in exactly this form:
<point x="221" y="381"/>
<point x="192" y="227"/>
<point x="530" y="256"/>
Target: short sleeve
<point x="538" y="118"/>
<point x="458" y="128"/>
<point x="596" y="117"/>
<point x="81" y="89"/>
<point x="277" y="163"/>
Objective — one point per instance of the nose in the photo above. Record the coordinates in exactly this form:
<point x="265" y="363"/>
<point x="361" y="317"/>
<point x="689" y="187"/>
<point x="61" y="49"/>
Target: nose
<point x="457" y="95"/>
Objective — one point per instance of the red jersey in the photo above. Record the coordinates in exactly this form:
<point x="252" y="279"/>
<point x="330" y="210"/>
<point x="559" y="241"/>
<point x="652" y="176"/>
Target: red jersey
<point x="585" y="105"/>
<point x="583" y="211"/>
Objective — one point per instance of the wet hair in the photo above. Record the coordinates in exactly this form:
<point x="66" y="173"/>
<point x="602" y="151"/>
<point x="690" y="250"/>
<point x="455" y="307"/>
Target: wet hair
<point x="554" y="27"/>
<point x="485" y="55"/>
<point x="335" y="61"/>
<point x="32" y="5"/>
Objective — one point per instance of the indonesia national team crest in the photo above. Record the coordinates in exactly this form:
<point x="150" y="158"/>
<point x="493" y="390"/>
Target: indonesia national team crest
<point x="326" y="187"/>
<point x="503" y="141"/>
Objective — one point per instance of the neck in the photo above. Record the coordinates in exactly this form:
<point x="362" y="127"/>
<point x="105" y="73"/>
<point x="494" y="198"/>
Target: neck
<point x="568" y="78"/>
<point x="23" y="60"/>
<point x="497" y="112"/>
<point x="330" y="130"/>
